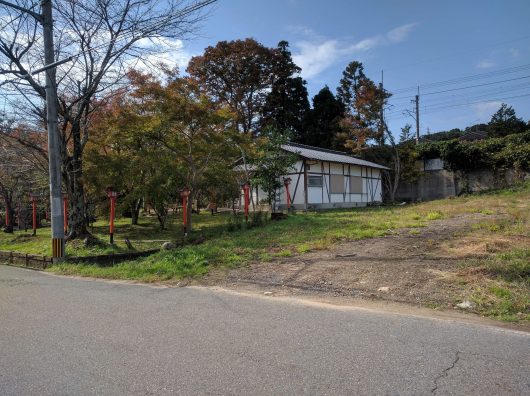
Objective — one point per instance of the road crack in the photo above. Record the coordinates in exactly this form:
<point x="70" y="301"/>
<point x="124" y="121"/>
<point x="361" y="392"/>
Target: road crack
<point x="445" y="372"/>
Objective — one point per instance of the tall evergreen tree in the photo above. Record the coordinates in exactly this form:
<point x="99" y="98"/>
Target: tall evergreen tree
<point x="323" y="121"/>
<point x="505" y="122"/>
<point x="363" y="102"/>
<point x="286" y="106"/>
<point x="350" y="84"/>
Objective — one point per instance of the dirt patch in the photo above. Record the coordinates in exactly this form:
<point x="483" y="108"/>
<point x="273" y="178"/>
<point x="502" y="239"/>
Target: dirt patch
<point x="410" y="266"/>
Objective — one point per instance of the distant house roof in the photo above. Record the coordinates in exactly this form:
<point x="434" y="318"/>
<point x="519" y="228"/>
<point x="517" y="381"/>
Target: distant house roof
<point x="474" y="135"/>
<point x="317" y="153"/>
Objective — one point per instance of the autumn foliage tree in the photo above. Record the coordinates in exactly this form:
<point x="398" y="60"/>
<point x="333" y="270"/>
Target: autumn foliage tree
<point x="236" y="74"/>
<point x="101" y="39"/>
<point x="168" y="134"/>
<point x="363" y="102"/>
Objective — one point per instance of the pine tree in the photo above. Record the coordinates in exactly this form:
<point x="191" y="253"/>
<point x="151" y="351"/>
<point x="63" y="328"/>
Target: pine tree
<point x="287" y="105"/>
<point x="323" y="121"/>
<point x="505" y="122"/>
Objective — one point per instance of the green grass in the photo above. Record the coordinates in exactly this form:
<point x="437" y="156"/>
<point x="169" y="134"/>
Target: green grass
<point x="504" y="293"/>
<point x="146" y="235"/>
<point x="298" y="234"/>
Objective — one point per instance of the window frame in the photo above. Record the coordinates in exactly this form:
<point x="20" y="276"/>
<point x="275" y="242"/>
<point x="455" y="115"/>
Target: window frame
<point x="320" y="177"/>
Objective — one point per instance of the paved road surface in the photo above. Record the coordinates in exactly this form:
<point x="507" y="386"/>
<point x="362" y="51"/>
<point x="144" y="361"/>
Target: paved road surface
<point x="61" y="336"/>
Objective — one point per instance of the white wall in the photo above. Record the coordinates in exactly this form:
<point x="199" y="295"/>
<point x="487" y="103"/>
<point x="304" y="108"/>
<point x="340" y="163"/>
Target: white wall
<point x="372" y="191"/>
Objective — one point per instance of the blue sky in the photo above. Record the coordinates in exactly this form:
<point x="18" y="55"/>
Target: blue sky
<point x="414" y="42"/>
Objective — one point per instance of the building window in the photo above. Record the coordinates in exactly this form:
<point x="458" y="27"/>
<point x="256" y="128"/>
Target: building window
<point x="356" y="185"/>
<point x="314" y="181"/>
<point x="336" y="184"/>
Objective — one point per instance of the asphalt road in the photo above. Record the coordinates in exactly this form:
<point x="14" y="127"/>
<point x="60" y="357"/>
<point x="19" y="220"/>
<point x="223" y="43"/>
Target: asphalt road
<point x="62" y="336"/>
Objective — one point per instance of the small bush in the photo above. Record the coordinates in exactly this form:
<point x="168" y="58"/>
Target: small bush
<point x="257" y="219"/>
<point x="234" y="222"/>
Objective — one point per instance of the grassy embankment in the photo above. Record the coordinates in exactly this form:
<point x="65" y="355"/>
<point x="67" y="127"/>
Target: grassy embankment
<point x="498" y="280"/>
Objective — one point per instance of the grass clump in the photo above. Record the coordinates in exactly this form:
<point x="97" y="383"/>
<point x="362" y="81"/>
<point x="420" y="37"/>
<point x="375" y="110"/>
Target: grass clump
<point x="511" y="266"/>
<point x="502" y="290"/>
<point x="434" y="215"/>
<point x="175" y="264"/>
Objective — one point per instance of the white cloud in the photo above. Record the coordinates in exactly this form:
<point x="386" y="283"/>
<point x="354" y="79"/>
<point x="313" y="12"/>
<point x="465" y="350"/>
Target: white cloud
<point x="400" y="33"/>
<point x="486" y="109"/>
<point x="170" y="52"/>
<point x="486" y="64"/>
<point x="315" y="54"/>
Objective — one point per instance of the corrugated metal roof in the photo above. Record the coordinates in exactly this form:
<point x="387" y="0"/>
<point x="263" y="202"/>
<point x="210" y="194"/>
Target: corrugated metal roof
<point x="319" y="154"/>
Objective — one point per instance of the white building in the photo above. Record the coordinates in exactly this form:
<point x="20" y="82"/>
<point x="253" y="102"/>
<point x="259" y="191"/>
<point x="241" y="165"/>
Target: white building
<point x="325" y="179"/>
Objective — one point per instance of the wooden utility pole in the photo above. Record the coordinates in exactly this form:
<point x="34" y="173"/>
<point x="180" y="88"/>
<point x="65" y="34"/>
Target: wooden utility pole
<point x="382" y="112"/>
<point x="417" y="100"/>
<point x="54" y="148"/>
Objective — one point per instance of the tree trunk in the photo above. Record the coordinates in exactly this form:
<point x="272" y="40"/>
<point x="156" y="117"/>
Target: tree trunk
<point x="161" y="214"/>
<point x="135" y="211"/>
<point x="188" y="214"/>
<point x="77" y="219"/>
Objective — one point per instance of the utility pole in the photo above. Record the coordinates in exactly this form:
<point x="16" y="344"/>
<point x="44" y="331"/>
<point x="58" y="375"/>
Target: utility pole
<point x="382" y="112"/>
<point x="54" y="148"/>
<point x="417" y="100"/>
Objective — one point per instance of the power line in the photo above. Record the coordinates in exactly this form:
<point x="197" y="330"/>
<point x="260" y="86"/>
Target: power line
<point x="471" y="86"/>
<point x="474" y="96"/>
<point x="456" y="105"/>
<point x="471" y="77"/>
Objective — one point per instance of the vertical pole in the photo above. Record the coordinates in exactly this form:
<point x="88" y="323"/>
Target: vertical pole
<point x="65" y="218"/>
<point x="246" y="189"/>
<point x="382" y="112"/>
<point x="185" y="213"/>
<point x="305" y="185"/>
<point x="288" y="196"/>
<point x="418" y="117"/>
<point x="54" y="148"/>
<point x="34" y="207"/>
<point x="112" y="211"/>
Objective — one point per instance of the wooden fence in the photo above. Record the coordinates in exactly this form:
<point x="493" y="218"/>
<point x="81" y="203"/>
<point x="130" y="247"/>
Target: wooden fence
<point x="34" y="261"/>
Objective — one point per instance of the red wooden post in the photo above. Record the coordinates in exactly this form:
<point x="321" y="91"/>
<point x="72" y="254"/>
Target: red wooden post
<point x="286" y="182"/>
<point x="112" y="196"/>
<point x="184" y="195"/>
<point x="246" y="190"/>
<point x="65" y="211"/>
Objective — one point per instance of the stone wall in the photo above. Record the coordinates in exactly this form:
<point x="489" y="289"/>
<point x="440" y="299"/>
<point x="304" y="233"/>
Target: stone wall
<point x="442" y="183"/>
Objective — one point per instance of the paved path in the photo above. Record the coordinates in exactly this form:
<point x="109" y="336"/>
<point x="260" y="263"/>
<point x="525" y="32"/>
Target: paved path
<point x="62" y="336"/>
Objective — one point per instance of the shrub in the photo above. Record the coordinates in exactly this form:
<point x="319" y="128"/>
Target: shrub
<point x="512" y="151"/>
<point x="234" y="222"/>
<point x="257" y="219"/>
